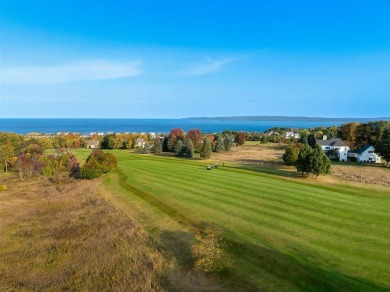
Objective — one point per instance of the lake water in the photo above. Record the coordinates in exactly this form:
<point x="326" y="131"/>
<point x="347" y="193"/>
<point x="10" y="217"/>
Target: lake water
<point x="85" y="126"/>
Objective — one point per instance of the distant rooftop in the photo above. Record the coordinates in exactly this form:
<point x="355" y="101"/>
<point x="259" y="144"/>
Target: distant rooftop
<point x="331" y="142"/>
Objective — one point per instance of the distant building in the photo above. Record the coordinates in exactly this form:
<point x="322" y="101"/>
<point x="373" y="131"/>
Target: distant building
<point x="92" y="144"/>
<point x="365" y="154"/>
<point x="140" y="143"/>
<point x="292" y="135"/>
<point x="334" y="144"/>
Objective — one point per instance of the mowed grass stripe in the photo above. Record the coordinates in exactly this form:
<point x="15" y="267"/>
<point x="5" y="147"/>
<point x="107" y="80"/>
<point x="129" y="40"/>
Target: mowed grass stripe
<point x="253" y="209"/>
<point x="287" y="186"/>
<point x="357" y="193"/>
<point x="289" y="194"/>
<point x="337" y="266"/>
<point x="333" y="238"/>
<point x="248" y="258"/>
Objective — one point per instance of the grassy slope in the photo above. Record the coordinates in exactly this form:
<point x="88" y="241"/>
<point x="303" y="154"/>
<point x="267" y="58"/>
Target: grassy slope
<point x="283" y="234"/>
<point x="67" y="238"/>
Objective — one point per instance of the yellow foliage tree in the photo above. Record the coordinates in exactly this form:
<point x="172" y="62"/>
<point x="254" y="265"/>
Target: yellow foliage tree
<point x="209" y="253"/>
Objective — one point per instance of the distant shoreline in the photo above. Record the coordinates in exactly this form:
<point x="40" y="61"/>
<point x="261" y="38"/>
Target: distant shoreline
<point x="289" y="119"/>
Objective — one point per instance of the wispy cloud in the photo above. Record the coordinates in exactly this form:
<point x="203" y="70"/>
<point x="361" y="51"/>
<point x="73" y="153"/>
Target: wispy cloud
<point x="205" y="68"/>
<point x="75" y="71"/>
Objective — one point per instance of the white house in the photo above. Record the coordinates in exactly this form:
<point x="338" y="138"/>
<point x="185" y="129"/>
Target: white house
<point x="140" y="143"/>
<point x="334" y="144"/>
<point x="93" y="144"/>
<point x="292" y="135"/>
<point x="365" y="154"/>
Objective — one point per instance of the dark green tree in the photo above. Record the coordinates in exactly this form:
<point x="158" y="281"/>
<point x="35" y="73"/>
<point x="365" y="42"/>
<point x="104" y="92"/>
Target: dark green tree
<point x="311" y="140"/>
<point x="165" y="144"/>
<point x="303" y="163"/>
<point x="290" y="156"/>
<point x="206" y="150"/>
<point x="227" y="143"/>
<point x="146" y="149"/>
<point x="383" y="147"/>
<point x="178" y="149"/>
<point x="158" y="146"/>
<point x="319" y="162"/>
<point x="188" y="148"/>
<point x="219" y="147"/>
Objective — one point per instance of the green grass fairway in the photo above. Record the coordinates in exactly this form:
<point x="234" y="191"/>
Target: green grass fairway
<point x="284" y="234"/>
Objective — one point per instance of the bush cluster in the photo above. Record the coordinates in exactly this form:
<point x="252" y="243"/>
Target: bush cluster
<point x="98" y="162"/>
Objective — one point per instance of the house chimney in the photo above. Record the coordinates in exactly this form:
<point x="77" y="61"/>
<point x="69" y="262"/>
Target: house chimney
<point x="324" y="137"/>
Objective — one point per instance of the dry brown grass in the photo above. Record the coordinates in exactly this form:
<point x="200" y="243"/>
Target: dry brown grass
<point x="68" y="238"/>
<point x="370" y="174"/>
<point x="271" y="155"/>
<point x="267" y="154"/>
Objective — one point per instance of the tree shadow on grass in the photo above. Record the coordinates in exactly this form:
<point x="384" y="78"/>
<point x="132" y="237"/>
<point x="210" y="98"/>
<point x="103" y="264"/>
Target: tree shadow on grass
<point x="297" y="270"/>
<point x="179" y="243"/>
<point x="292" y="271"/>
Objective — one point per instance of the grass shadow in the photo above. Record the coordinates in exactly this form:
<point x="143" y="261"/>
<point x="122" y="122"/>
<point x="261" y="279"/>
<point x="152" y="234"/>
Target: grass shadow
<point x="178" y="243"/>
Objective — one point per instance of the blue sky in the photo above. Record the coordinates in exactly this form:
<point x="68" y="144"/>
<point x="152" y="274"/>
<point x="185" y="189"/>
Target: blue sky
<point x="172" y="59"/>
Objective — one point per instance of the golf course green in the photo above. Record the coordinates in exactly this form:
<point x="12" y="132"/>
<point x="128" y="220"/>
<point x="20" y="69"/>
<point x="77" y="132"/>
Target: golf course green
<point x="283" y="234"/>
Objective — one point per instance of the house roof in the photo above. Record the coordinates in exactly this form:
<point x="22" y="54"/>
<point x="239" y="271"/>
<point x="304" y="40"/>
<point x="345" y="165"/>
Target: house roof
<point x="331" y="142"/>
<point x="93" y="142"/>
<point x="364" y="148"/>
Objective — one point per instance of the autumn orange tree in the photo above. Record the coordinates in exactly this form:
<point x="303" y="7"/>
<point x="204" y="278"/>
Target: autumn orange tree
<point x="240" y="138"/>
<point x="196" y="137"/>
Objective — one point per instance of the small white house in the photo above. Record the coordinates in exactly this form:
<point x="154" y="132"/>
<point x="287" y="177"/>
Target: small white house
<point x="365" y="154"/>
<point x="292" y="135"/>
<point x="140" y="143"/>
<point x="93" y="144"/>
<point x="334" y="144"/>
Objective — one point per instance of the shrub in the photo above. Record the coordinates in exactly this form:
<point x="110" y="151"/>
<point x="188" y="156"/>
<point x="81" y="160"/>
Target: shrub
<point x="209" y="252"/>
<point x="3" y="188"/>
<point x="98" y="163"/>
<point x="91" y="169"/>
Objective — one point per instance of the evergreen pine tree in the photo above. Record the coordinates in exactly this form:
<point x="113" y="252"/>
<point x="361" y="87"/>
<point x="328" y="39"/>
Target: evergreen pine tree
<point x="227" y="143"/>
<point x="290" y="156"/>
<point x="303" y="163"/>
<point x="179" y="148"/>
<point x="158" y="146"/>
<point x="206" y="150"/>
<point x="311" y="140"/>
<point x="219" y="145"/>
<point x="319" y="162"/>
<point x="188" y="148"/>
<point x="146" y="148"/>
